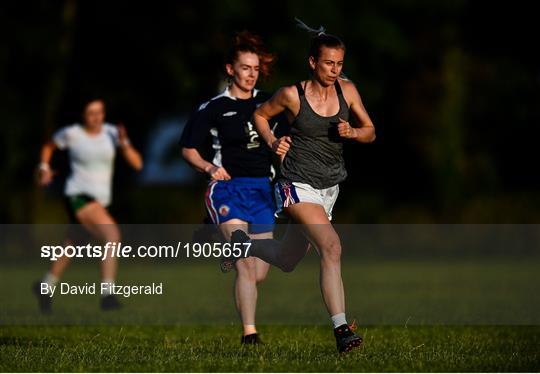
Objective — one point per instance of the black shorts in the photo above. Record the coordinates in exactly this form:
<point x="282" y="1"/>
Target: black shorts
<point x="76" y="233"/>
<point x="74" y="203"/>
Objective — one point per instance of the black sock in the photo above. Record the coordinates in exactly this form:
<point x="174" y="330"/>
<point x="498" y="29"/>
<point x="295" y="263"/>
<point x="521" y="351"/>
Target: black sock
<point x="266" y="249"/>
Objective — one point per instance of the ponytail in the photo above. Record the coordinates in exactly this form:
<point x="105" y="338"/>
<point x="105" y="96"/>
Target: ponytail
<point x="319" y="39"/>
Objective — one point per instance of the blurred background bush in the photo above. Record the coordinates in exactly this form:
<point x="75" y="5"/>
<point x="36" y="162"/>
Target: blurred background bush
<point x="453" y="88"/>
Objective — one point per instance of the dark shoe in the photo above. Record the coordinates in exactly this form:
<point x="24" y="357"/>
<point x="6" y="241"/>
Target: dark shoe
<point x="110" y="302"/>
<point x="237" y="237"/>
<point x="346" y="339"/>
<point x="252" y="339"/>
<point x="44" y="300"/>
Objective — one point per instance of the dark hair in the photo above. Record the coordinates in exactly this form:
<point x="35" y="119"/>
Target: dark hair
<point x="90" y="100"/>
<point x="324" y="40"/>
<point x="246" y="41"/>
<point x="320" y="39"/>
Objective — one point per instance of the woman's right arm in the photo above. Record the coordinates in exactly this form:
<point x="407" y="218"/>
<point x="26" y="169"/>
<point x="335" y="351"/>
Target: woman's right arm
<point x="194" y="158"/>
<point x="195" y="132"/>
<point x="45" y="173"/>
<point x="281" y="101"/>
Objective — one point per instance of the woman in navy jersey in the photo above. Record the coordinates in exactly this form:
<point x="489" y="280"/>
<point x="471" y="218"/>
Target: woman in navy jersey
<point x="239" y="194"/>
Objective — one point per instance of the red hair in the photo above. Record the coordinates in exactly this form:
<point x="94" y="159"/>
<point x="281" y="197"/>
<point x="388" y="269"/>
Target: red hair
<point x="246" y="41"/>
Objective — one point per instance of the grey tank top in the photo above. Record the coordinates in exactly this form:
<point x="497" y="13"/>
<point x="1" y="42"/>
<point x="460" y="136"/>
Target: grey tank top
<point x="316" y="153"/>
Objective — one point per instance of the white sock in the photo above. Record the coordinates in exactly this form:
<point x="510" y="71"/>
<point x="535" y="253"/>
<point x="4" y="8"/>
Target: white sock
<point x="106" y="290"/>
<point x="339" y="319"/>
<point x="50" y="279"/>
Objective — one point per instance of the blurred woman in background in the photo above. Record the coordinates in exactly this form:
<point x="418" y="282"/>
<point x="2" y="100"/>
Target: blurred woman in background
<point x="91" y="149"/>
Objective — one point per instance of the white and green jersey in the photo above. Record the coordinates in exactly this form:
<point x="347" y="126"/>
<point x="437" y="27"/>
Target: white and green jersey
<point x="91" y="158"/>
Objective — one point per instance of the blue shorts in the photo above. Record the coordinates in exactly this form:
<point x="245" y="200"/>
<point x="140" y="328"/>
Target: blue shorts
<point x="248" y="199"/>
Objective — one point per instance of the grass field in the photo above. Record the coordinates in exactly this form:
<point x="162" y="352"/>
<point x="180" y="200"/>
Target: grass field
<point x="414" y="315"/>
<point x="307" y="348"/>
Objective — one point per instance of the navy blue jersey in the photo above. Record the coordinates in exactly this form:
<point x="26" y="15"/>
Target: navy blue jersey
<point x="236" y="145"/>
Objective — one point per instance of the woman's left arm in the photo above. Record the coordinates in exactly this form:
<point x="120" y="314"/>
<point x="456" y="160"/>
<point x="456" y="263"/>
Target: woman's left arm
<point x="131" y="155"/>
<point x="365" y="131"/>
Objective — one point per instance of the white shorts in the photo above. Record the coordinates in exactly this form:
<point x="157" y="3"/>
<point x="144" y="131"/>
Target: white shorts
<point x="289" y="193"/>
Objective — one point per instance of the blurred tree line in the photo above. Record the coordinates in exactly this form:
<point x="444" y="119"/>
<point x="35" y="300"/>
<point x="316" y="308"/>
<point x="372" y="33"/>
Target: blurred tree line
<point x="453" y="88"/>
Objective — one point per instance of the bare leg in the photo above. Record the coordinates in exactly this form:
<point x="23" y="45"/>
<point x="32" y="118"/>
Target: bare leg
<point x="100" y="224"/>
<point x="96" y="219"/>
<point x="261" y="267"/>
<point x="321" y="233"/>
<point x="59" y="266"/>
<point x="249" y="272"/>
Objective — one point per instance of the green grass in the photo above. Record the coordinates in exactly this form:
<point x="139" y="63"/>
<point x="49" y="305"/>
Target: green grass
<point x="383" y="292"/>
<point x="415" y="315"/>
<point x="306" y="348"/>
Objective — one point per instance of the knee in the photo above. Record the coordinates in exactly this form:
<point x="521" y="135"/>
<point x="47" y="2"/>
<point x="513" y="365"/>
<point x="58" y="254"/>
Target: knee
<point x="261" y="270"/>
<point x="331" y="251"/>
<point x="115" y="238"/>
<point x="246" y="270"/>
<point x="261" y="277"/>
<point x="111" y="234"/>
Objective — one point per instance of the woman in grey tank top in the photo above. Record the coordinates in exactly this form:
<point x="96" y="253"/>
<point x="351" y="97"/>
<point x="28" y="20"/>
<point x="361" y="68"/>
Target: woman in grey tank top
<point x="316" y="158"/>
<point x="312" y="167"/>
